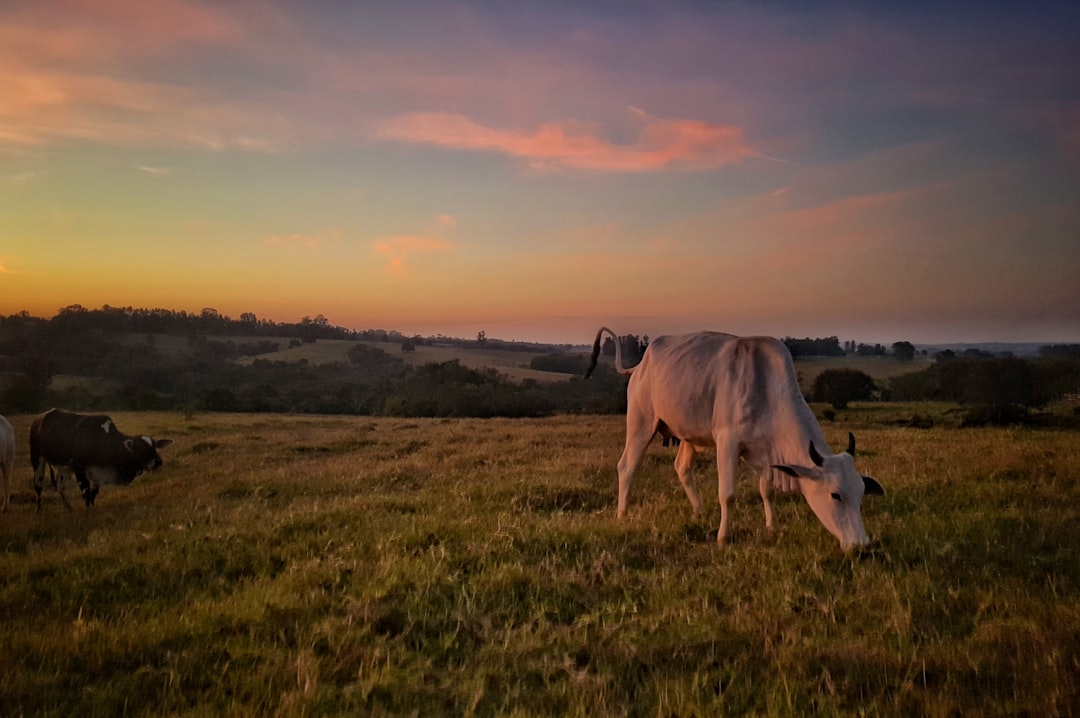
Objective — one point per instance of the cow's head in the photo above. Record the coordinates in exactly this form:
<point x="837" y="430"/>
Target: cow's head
<point x="142" y="454"/>
<point x="835" y="490"/>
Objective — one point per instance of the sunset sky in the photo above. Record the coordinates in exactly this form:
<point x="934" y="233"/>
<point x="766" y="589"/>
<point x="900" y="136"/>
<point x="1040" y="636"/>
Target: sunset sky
<point x="535" y="170"/>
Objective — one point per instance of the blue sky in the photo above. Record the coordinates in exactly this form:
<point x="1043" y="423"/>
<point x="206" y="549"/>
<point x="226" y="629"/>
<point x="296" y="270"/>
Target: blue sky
<point x="878" y="172"/>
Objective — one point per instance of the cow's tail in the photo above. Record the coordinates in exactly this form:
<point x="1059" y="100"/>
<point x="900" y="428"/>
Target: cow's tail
<point x="596" y="354"/>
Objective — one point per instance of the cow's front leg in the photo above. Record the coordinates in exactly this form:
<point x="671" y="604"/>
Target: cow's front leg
<point x="89" y="492"/>
<point x="684" y="468"/>
<point x="726" y="460"/>
<point x="765" y="484"/>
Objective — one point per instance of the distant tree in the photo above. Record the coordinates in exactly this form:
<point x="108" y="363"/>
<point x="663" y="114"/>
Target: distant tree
<point x="481" y="337"/>
<point x="1060" y="350"/>
<point x="633" y="347"/>
<point x="564" y="363"/>
<point x="904" y="351"/>
<point x="408" y="345"/>
<point x="807" y="347"/>
<point x="28" y="384"/>
<point x="1001" y="391"/>
<point x="839" y="387"/>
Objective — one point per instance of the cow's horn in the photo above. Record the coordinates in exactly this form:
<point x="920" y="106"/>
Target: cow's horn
<point x="815" y="456"/>
<point x="851" y="443"/>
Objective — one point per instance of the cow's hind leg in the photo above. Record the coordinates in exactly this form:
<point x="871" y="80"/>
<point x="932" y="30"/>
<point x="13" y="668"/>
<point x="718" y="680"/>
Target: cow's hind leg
<point x="726" y="464"/>
<point x="39" y="480"/>
<point x="89" y="491"/>
<point x="684" y="468"/>
<point x="59" y="482"/>
<point x="5" y="478"/>
<point x="639" y="432"/>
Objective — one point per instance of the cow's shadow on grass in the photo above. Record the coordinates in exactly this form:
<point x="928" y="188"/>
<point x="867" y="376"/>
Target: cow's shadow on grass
<point x="700" y="533"/>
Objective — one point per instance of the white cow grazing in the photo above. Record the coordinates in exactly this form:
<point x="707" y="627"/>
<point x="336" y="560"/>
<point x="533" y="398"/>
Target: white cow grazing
<point x="739" y="394"/>
<point x="7" y="461"/>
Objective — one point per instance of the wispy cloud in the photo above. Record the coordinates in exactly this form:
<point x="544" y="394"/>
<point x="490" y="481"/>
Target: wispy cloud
<point x="661" y="143"/>
<point x="71" y="75"/>
<point x="305" y="241"/>
<point x="153" y="170"/>
<point x="79" y="30"/>
<point x="398" y="250"/>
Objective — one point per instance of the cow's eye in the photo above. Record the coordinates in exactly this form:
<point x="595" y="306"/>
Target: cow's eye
<point x="837" y="497"/>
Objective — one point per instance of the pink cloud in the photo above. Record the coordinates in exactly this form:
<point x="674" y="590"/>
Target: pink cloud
<point x="96" y="30"/>
<point x="661" y="144"/>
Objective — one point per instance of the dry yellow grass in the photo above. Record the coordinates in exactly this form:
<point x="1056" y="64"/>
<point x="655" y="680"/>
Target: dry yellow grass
<point x="328" y="565"/>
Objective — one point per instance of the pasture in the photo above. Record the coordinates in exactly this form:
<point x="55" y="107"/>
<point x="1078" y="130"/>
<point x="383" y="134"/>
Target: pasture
<point x="514" y="364"/>
<point x="306" y="565"/>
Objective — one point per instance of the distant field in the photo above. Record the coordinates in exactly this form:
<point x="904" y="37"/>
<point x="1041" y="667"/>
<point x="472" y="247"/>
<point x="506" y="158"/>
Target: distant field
<point x="514" y="364"/>
<point x="306" y="565"/>
<point x="511" y="363"/>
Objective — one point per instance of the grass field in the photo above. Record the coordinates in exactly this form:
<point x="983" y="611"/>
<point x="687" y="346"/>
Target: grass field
<point x="282" y="565"/>
<point x="513" y="364"/>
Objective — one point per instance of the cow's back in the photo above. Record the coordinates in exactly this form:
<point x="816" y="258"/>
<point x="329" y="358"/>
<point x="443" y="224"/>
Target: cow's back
<point x="699" y="383"/>
<point x="59" y="436"/>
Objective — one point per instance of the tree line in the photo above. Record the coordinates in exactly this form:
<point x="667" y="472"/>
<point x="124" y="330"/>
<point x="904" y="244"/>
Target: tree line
<point x="633" y="348"/>
<point x="209" y="321"/>
<point x="115" y="354"/>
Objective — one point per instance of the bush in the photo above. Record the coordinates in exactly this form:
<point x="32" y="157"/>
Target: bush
<point x="562" y="363"/>
<point x="839" y="387"/>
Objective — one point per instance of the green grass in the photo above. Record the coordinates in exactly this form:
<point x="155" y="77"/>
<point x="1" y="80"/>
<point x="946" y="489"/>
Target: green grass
<point x="322" y="565"/>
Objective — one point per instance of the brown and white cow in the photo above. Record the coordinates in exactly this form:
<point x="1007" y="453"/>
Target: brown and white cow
<point x="91" y="447"/>
<point x="741" y="395"/>
<point x="7" y="461"/>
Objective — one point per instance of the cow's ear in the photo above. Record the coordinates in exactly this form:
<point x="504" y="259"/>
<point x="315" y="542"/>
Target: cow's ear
<point x="129" y="444"/>
<point x="796" y="471"/>
<point x="162" y="443"/>
<point x="873" y="488"/>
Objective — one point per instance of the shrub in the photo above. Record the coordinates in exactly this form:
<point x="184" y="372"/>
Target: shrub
<point x="839" y="387"/>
